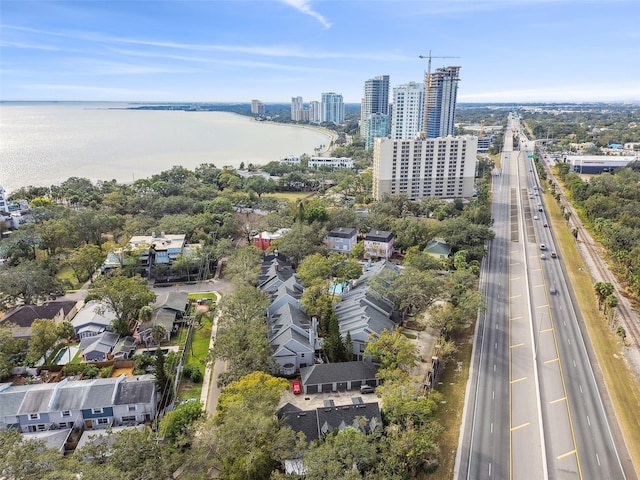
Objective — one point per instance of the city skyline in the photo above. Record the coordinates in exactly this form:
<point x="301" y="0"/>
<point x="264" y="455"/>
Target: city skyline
<point x="235" y="51"/>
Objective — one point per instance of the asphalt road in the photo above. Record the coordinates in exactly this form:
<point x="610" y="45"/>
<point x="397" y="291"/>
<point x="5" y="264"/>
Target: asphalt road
<point x="533" y="408"/>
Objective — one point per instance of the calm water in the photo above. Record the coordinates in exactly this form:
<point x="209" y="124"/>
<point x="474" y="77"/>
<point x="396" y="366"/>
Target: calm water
<point x="43" y="144"/>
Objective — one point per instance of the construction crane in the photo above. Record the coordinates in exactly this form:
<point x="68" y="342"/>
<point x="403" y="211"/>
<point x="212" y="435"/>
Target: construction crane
<point x="428" y="92"/>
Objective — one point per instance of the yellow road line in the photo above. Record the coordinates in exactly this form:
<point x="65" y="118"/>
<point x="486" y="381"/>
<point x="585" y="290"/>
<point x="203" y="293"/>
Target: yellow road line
<point x="513" y="429"/>
<point x="546" y="330"/>
<point x="560" y="457"/>
<point x="518" y="379"/>
<point x="517" y="345"/>
<point x="562" y="399"/>
<point x="552" y="360"/>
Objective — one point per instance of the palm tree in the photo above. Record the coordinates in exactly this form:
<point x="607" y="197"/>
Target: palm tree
<point x="146" y="313"/>
<point x="158" y="332"/>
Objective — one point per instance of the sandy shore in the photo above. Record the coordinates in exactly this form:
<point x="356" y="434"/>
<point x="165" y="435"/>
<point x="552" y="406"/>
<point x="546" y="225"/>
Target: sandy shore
<point x="330" y="134"/>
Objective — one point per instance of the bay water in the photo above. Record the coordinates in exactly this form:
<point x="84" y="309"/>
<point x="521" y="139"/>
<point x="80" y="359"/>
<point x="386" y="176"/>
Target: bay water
<point x="43" y="144"/>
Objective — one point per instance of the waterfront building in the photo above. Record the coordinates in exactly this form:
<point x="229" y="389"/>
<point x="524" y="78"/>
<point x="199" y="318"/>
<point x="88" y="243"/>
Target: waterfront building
<point x="290" y="160"/>
<point x="330" y="162"/>
<point x="374" y="101"/>
<point x="332" y="108"/>
<point x="297" y="109"/>
<point x="408" y="111"/>
<point x="440" y="101"/>
<point x="315" y="112"/>
<point x="257" y="107"/>
<point x="441" y="167"/>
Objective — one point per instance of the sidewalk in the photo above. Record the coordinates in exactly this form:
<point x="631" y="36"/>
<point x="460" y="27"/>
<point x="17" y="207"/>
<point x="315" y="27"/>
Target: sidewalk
<point x="210" y="390"/>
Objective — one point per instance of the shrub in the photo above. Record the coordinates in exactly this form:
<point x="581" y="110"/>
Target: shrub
<point x="196" y="375"/>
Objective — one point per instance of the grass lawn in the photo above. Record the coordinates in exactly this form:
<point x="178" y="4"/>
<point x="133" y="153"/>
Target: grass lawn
<point x="291" y="196"/>
<point x="68" y="277"/>
<point x="452" y="385"/>
<point x="621" y="383"/>
<point x="196" y="355"/>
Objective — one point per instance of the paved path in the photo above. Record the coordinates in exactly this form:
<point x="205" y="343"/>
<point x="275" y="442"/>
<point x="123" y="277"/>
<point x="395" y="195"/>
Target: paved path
<point x="210" y="390"/>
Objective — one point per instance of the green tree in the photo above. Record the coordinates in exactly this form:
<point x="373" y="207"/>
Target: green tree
<point x="176" y="424"/>
<point x="85" y="260"/>
<point x="245" y="440"/>
<point x="163" y="381"/>
<point x="65" y="330"/>
<point x="244" y="305"/>
<point x="302" y="240"/>
<point x="259" y="185"/>
<point x="395" y="352"/>
<point x="124" y="296"/>
<point x="342" y="455"/>
<point x="9" y="348"/>
<point x="30" y="281"/>
<point x="158" y="333"/>
<point x="44" y="335"/>
<point x="603" y="290"/>
<point x="243" y="265"/>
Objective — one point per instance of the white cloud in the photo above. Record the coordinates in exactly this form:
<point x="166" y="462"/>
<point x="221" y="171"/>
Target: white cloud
<point x="304" y="6"/>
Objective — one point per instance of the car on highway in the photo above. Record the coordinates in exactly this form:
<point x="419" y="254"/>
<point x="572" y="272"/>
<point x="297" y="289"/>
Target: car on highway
<point x="545" y="224"/>
<point x="535" y="217"/>
<point x="554" y="255"/>
<point x="543" y="256"/>
<point x="553" y="291"/>
<point x="543" y="246"/>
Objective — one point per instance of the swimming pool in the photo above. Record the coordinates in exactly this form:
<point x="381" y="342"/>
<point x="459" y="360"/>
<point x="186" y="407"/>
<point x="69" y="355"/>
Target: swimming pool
<point x="65" y="355"/>
<point x="337" y="288"/>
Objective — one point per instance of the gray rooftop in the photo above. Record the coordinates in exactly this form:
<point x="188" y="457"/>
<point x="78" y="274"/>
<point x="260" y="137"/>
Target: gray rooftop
<point x="337" y="372"/>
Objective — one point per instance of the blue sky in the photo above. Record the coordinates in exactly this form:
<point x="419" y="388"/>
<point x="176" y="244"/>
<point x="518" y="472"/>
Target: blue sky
<point x="509" y="50"/>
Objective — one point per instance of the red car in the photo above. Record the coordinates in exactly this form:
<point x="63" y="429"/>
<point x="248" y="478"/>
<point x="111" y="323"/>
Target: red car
<point x="296" y="387"/>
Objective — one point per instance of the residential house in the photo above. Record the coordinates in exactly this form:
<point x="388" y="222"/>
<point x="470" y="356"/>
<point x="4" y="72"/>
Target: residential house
<point x="438" y="248"/>
<point x="263" y="240"/>
<point x="85" y="404"/>
<point x="151" y="250"/>
<point x="124" y="348"/>
<point x="378" y="244"/>
<point x="291" y="333"/>
<point x="98" y="348"/>
<point x="341" y="240"/>
<point x="335" y="377"/>
<point x="362" y="313"/>
<point x="168" y="309"/>
<point x="318" y="422"/>
<point x="23" y="317"/>
<point x="53" y="439"/>
<point x="92" y="319"/>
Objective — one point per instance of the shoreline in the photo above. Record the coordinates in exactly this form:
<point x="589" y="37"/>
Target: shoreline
<point x="330" y="134"/>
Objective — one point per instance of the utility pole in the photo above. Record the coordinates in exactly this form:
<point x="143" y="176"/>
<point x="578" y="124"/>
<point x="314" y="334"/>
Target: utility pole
<point x="427" y="93"/>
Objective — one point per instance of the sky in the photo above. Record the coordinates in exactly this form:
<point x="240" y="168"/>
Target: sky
<point x="271" y="50"/>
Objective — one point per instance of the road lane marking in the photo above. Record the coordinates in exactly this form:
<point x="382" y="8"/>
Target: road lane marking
<point x="516" y="318"/>
<point x="560" y="457"/>
<point x="518" y="379"/>
<point x="518" y="427"/>
<point x="491" y="428"/>
<point x="569" y="341"/>
<point x="574" y="363"/>
<point x="489" y="468"/>
<point x="588" y="421"/>
<point x="493" y="395"/>
<point x="517" y="345"/>
<point x="598" y="459"/>
<point x="552" y="360"/>
<point x="546" y="330"/>
<point x="515" y="296"/>
<point x="494" y="367"/>
<point x="580" y="388"/>
<point x="562" y="399"/>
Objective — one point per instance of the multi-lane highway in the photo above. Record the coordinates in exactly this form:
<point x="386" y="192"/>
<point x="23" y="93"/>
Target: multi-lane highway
<point x="533" y="408"/>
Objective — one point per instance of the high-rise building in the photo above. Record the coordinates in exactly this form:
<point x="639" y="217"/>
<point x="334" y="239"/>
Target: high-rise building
<point x="257" y="107"/>
<point x="376" y="125"/>
<point x="408" y="110"/>
<point x="332" y="108"/>
<point x="374" y="101"/>
<point x="297" y="109"/>
<point x="441" y="167"/>
<point x="315" y="112"/>
<point x="440" y="101"/>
